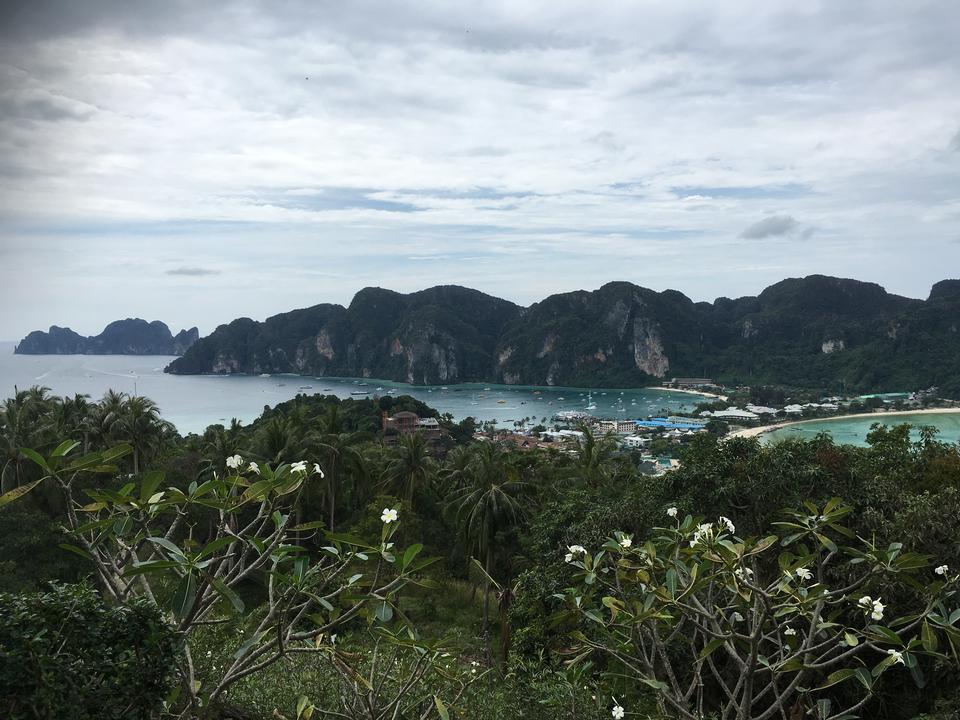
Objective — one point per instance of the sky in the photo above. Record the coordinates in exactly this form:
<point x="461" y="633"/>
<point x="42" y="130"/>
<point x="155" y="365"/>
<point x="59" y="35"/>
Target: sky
<point x="197" y="162"/>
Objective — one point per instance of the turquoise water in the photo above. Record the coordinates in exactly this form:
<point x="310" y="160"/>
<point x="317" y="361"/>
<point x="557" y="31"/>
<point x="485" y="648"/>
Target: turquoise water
<point x="853" y="431"/>
<point x="191" y="402"/>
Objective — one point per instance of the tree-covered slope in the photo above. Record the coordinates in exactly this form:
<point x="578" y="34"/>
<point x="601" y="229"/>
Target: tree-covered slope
<point x="132" y="336"/>
<point x="817" y="331"/>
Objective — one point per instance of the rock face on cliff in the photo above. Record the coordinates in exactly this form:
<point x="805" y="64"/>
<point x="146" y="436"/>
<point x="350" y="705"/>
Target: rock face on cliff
<point x="816" y="331"/>
<point x="122" y="337"/>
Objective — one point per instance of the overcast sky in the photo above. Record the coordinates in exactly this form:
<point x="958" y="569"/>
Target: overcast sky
<point x="173" y="161"/>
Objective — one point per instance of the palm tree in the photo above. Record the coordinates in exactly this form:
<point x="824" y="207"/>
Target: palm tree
<point x="411" y="467"/>
<point x="593" y="456"/>
<point x="24" y="422"/>
<point x="491" y="502"/>
<point x="339" y="454"/>
<point x="140" y="425"/>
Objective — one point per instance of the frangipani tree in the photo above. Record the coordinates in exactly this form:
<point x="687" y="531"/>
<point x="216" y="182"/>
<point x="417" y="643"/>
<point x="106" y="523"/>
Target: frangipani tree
<point x="144" y="539"/>
<point x="760" y="627"/>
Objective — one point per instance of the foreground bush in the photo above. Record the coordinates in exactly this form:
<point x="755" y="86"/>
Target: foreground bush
<point x="66" y="654"/>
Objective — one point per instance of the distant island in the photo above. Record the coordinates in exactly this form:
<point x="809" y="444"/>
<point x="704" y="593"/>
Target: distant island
<point x="812" y="332"/>
<point x="132" y="336"/>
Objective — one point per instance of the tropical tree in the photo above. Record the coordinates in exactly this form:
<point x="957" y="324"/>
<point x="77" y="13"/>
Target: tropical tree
<point x="788" y="625"/>
<point x="339" y="452"/>
<point x="489" y="503"/>
<point x="140" y="543"/>
<point x="410" y="468"/>
<point x="139" y="424"/>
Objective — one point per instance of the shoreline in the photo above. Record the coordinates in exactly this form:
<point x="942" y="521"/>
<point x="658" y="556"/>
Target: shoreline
<point x="764" y="429"/>
<point x="703" y="393"/>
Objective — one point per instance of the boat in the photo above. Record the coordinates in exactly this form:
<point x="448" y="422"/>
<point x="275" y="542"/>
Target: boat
<point x="359" y="392"/>
<point x="501" y="402"/>
<point x="264" y="374"/>
<point x="591" y="405"/>
<point x="306" y="387"/>
<point x="391" y="391"/>
<point x="444" y="388"/>
<point x="379" y="389"/>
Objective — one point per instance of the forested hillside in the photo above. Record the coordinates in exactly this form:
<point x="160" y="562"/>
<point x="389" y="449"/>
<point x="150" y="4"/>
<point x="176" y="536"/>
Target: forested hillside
<point x="814" y="332"/>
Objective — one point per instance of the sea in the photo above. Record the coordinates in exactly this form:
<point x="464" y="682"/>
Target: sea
<point x="853" y="431"/>
<point x="193" y="402"/>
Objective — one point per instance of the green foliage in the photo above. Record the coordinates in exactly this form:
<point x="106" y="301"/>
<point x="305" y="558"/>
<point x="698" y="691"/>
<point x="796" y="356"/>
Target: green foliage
<point x="762" y="625"/>
<point x="67" y="654"/>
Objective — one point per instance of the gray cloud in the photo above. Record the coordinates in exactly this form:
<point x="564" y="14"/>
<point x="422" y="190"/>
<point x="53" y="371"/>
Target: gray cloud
<point x="192" y="271"/>
<point x="171" y="132"/>
<point x="772" y="226"/>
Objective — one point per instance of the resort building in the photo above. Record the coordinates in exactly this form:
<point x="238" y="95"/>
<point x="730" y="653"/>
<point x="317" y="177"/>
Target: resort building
<point x="690" y="383"/>
<point x="407" y="423"/>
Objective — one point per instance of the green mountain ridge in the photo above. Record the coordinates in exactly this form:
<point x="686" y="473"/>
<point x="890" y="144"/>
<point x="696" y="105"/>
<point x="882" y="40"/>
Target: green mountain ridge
<point x="817" y="331"/>
<point x="132" y="336"/>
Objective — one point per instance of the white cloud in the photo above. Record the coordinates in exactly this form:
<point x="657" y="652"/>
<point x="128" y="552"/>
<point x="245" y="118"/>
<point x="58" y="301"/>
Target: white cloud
<point x="554" y="133"/>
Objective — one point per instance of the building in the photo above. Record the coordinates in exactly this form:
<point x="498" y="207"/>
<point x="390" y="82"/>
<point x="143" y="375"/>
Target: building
<point x="734" y="413"/>
<point x="407" y="423"/>
<point x="636" y="441"/>
<point x="690" y="383"/>
<point x="666" y="424"/>
<point x="621" y="427"/>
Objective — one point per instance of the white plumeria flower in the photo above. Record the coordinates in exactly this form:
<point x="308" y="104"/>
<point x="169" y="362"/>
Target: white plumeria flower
<point x="568" y="557"/>
<point x="389" y="515"/>
<point x="896" y="655"/>
<point x="743" y="572"/>
<point x="317" y="470"/>
<point x="703" y="530"/>
<point x="617" y="712"/>
<point x="577" y="549"/>
<point x="672" y="512"/>
<point x="736" y="617"/>
<point x="626" y="541"/>
<point x="803" y="573"/>
<point x="877" y="613"/>
<point x="299" y="466"/>
<point x="865" y="602"/>
<point x="254" y="468"/>
<point x="941" y="569"/>
<point x="729" y="523"/>
<point x="234" y="461"/>
<point x="789" y="631"/>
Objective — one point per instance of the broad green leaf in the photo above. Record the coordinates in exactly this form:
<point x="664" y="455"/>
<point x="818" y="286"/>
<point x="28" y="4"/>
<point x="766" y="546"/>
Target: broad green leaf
<point x="76" y="550"/>
<point x="36" y="457"/>
<point x="228" y="592"/>
<point x="168" y="546"/>
<point x="11" y="495"/>
<point x="928" y="637"/>
<point x="441" y="708"/>
<point x="411" y="553"/>
<point x="383" y="611"/>
<point x="312" y="525"/>
<point x="151" y="481"/>
<point x="184" y="596"/>
<point x="710" y="647"/>
<point x="64" y="448"/>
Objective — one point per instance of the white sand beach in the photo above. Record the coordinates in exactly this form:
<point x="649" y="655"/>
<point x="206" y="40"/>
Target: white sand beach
<point x="715" y="396"/>
<point x="755" y="431"/>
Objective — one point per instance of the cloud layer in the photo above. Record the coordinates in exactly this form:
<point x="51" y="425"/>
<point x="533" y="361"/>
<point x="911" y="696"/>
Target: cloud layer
<point x="279" y="154"/>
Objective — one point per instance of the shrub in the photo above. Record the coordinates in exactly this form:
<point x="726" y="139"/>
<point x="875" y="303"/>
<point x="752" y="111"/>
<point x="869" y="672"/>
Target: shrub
<point x="66" y="654"/>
